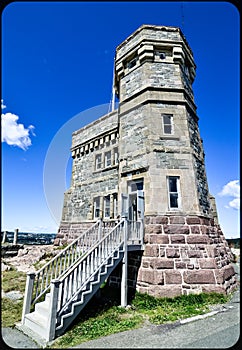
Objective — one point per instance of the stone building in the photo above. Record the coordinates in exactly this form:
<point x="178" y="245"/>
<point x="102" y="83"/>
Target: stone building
<point x="145" y="160"/>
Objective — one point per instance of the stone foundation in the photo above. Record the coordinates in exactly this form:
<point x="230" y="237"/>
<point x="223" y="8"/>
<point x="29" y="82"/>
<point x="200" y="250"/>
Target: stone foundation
<point x="69" y="231"/>
<point x="184" y="255"/>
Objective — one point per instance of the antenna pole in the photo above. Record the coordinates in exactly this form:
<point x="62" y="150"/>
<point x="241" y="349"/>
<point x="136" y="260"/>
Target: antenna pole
<point x="113" y="90"/>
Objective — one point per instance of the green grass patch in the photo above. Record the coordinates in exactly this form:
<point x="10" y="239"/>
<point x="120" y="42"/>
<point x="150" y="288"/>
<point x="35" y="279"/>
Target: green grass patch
<point x="13" y="280"/>
<point x="113" y="320"/>
<point x="11" y="312"/>
<point x="105" y="317"/>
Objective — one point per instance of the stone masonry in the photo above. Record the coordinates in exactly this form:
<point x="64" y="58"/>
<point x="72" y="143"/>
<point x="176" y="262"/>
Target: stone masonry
<point x="151" y="144"/>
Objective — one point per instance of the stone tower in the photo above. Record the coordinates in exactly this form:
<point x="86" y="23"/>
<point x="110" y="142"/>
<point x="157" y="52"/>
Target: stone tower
<point x="145" y="160"/>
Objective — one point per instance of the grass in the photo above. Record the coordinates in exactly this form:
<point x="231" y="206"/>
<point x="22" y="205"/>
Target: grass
<point x="11" y="310"/>
<point x="13" y="280"/>
<point x="103" y="315"/>
<point x="106" y="317"/>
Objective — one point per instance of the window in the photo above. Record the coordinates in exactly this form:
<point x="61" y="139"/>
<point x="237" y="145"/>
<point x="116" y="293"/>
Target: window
<point x="115" y="156"/>
<point x="115" y="205"/>
<point x="168" y="124"/>
<point x="135" y="186"/>
<point x="107" y="206"/>
<point x="174" y="192"/>
<point x="131" y="63"/>
<point x="98" y="161"/>
<point x="107" y="158"/>
<point x="96" y="208"/>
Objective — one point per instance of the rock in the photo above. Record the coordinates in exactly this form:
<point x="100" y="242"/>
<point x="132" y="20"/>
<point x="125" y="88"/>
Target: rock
<point x="14" y="295"/>
<point x="5" y="267"/>
<point x="22" y="252"/>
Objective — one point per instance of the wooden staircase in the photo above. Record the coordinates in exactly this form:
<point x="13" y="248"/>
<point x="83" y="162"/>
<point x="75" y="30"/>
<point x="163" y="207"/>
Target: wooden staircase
<point x="71" y="279"/>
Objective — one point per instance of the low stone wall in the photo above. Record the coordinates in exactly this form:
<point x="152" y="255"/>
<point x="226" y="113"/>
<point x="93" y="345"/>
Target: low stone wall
<point x="184" y="255"/>
<point x="10" y="250"/>
<point x="69" y="231"/>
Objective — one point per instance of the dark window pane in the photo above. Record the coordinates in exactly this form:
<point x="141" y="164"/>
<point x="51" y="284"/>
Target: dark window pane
<point x="167" y="129"/>
<point x="174" y="200"/>
<point x="138" y="186"/>
<point x="167" y="119"/>
<point x="172" y="184"/>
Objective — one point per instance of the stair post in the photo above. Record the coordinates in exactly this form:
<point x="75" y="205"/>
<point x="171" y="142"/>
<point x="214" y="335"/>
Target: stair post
<point x="51" y="325"/>
<point x="28" y="294"/>
<point x="124" y="279"/>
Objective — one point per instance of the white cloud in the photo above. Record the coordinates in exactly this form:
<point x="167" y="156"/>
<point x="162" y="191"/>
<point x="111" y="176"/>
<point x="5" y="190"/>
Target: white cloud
<point x="232" y="189"/>
<point x="2" y="105"/>
<point x="13" y="133"/>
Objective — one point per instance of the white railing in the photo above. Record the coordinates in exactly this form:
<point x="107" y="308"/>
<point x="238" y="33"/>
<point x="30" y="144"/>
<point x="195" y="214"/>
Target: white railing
<point x="38" y="283"/>
<point x="83" y="262"/>
<point x="78" y="277"/>
<point x="135" y="232"/>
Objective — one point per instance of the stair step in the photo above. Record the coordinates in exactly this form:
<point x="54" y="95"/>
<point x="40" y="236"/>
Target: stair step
<point x="37" y="323"/>
<point x="43" y="308"/>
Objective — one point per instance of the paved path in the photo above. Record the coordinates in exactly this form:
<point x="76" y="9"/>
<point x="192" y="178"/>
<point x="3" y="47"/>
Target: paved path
<point x="219" y="330"/>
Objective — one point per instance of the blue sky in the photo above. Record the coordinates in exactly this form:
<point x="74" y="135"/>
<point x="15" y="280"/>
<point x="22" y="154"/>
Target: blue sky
<point x="57" y="63"/>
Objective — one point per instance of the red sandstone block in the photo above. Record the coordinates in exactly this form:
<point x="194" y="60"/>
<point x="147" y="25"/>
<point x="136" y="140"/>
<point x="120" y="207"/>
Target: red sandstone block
<point x="228" y="271"/>
<point x="158" y="277"/>
<point x="56" y="242"/>
<point x="212" y="251"/>
<point x="161" y="220"/>
<point x="162" y="263"/>
<point x="60" y="235"/>
<point x="151" y="250"/>
<point x="173" y="277"/>
<point x="165" y="291"/>
<point x="176" y="229"/>
<point x="145" y="263"/>
<point x="193" y="220"/>
<point x="159" y="239"/>
<point x="204" y="229"/>
<point x="213" y="289"/>
<point x="201" y="276"/>
<point x="194" y="254"/>
<point x="197" y="239"/>
<point x="180" y="265"/>
<point x="153" y="229"/>
<point x="146" y="275"/>
<point x="205" y="221"/>
<point x="195" y="229"/>
<point x="177" y="239"/>
<point x="172" y="253"/>
<point x="208" y="263"/>
<point x="177" y="220"/>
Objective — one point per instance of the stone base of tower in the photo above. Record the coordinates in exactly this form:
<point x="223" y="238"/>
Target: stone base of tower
<point x="184" y="255"/>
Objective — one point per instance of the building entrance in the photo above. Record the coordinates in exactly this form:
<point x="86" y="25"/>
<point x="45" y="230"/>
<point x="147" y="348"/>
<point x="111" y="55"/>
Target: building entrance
<point x="133" y="203"/>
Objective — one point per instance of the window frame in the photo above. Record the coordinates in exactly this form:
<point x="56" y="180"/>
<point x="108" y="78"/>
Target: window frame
<point x="107" y="161"/>
<point x="171" y="124"/>
<point x="96" y="206"/>
<point x="178" y="192"/>
<point x="98" y="164"/>
<point x="107" y="200"/>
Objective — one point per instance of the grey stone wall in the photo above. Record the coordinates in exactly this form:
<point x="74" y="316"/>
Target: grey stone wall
<point x="184" y="248"/>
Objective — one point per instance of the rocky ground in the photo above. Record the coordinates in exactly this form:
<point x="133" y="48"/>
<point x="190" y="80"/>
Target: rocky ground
<point x="29" y="256"/>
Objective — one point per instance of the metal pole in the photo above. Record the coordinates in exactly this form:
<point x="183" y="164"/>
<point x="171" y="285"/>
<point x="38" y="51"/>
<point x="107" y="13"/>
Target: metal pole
<point x="4" y="237"/>
<point x="15" y="237"/>
<point x="124" y="280"/>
